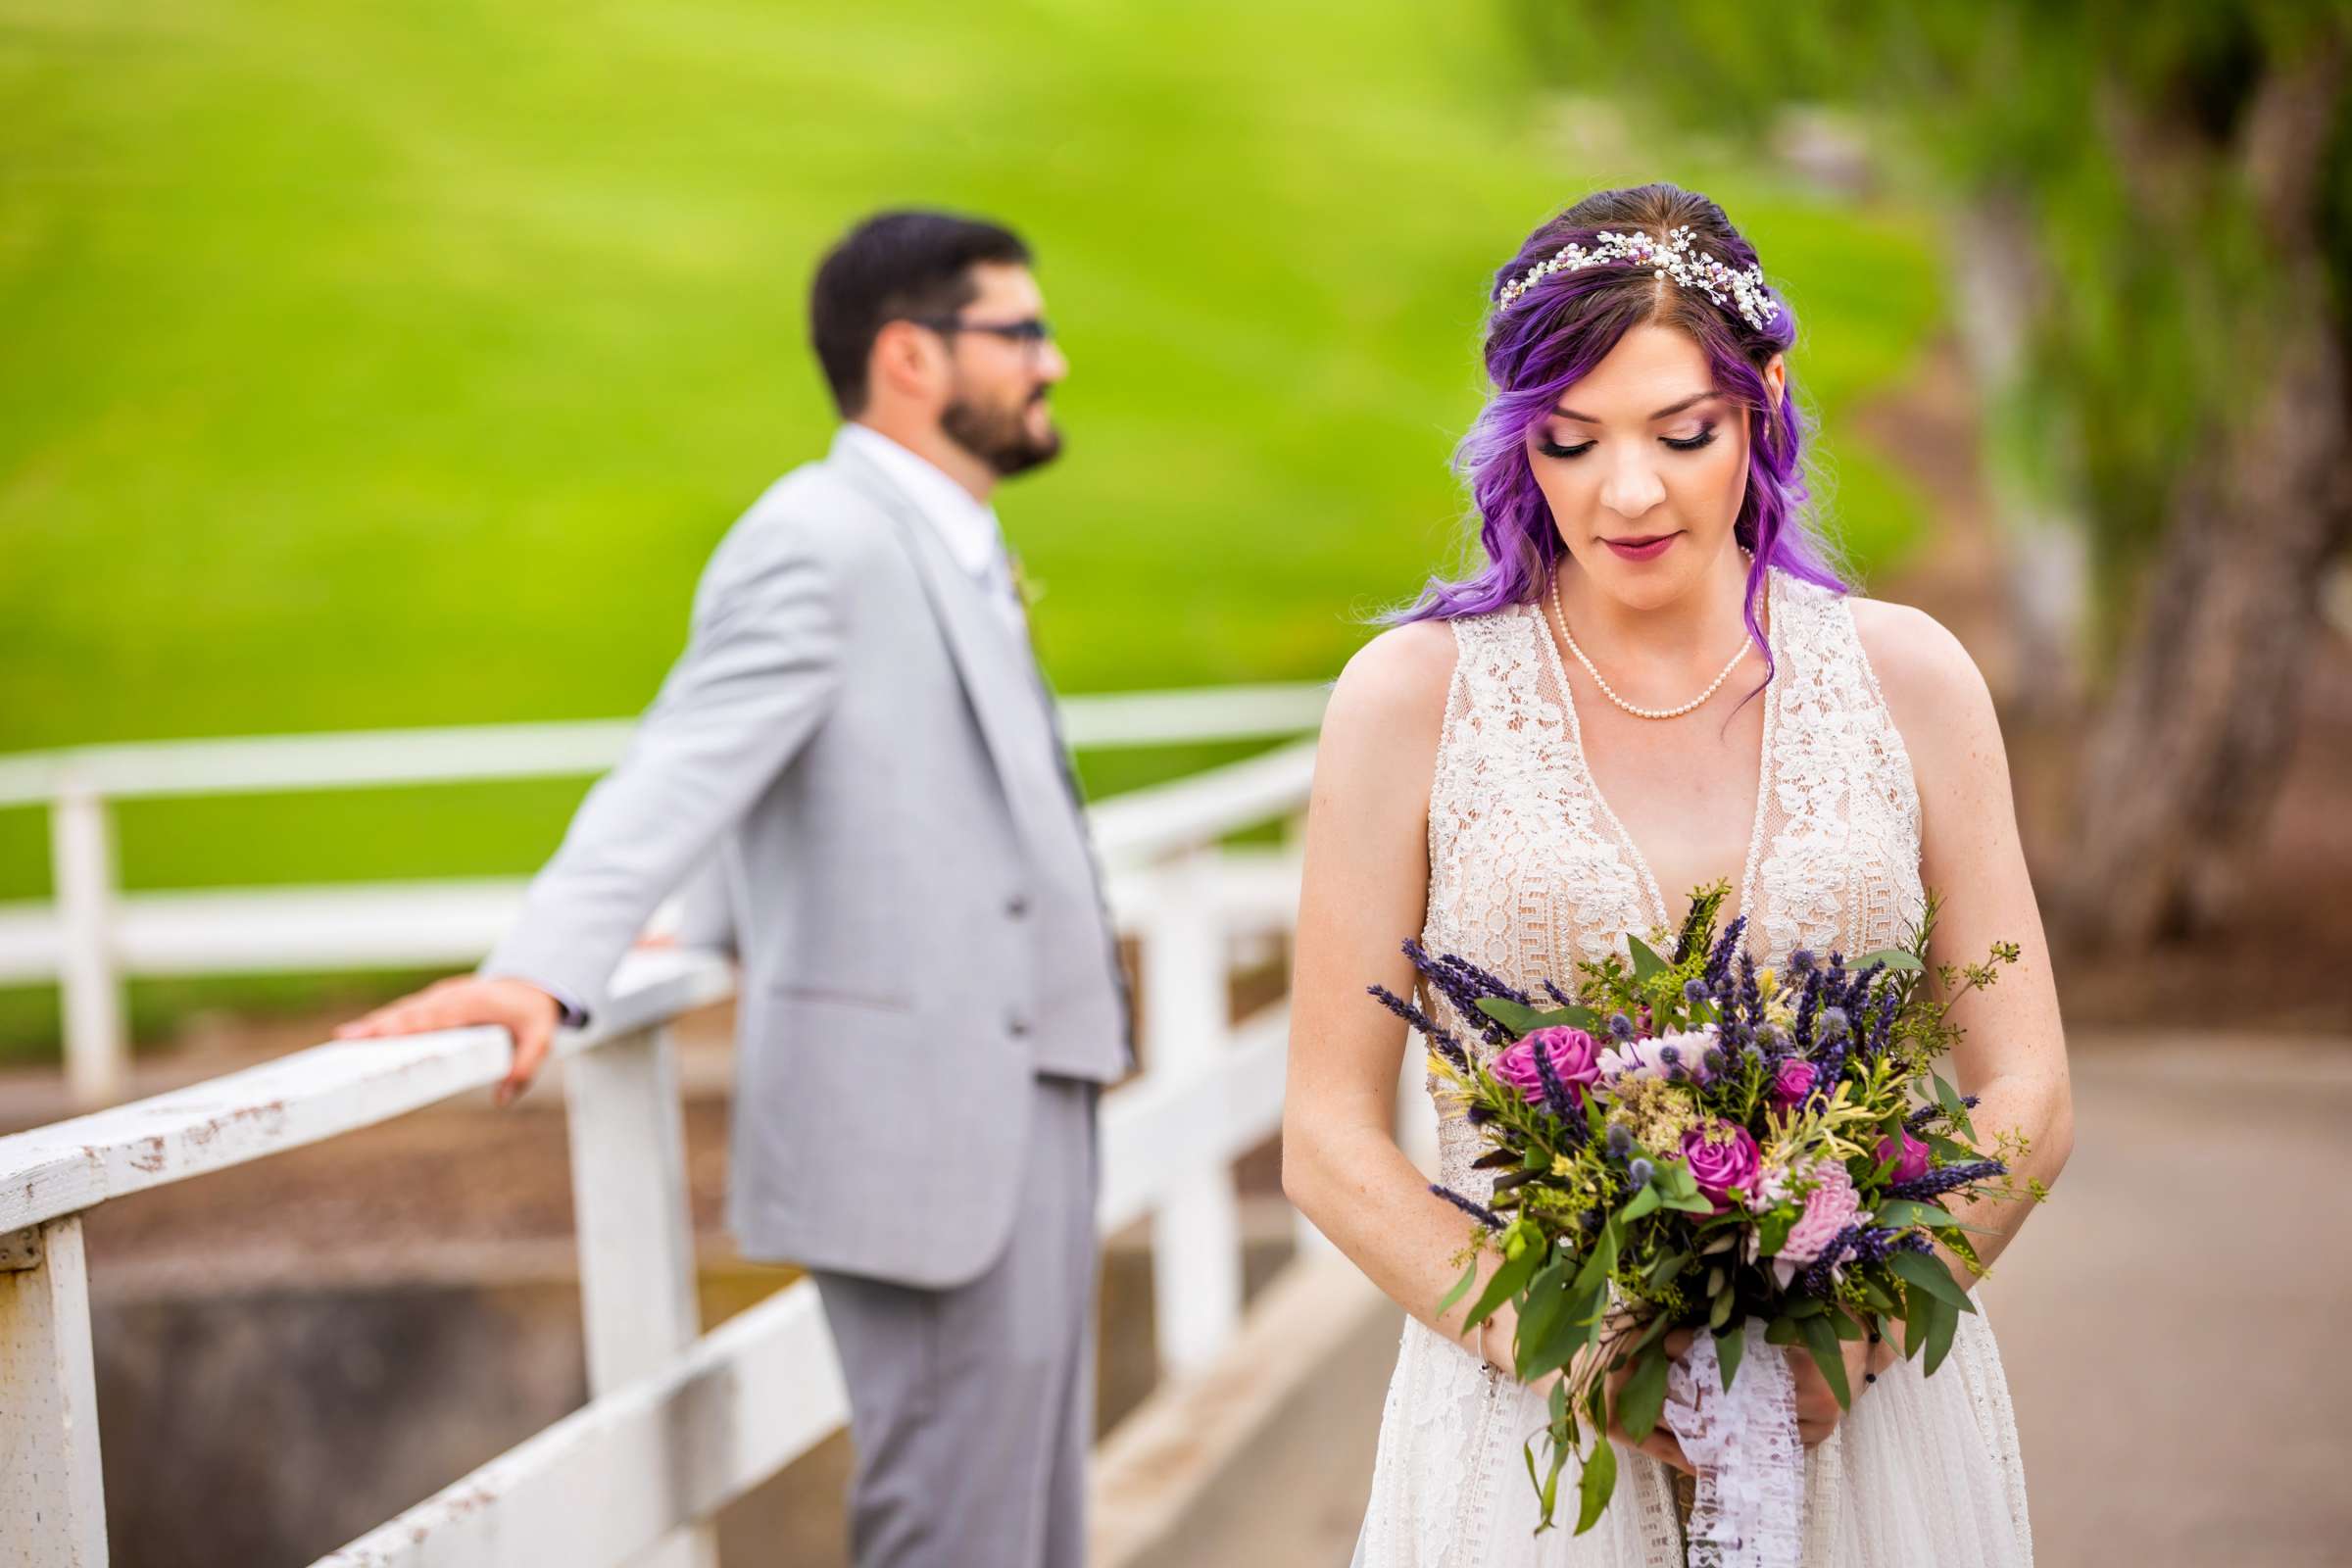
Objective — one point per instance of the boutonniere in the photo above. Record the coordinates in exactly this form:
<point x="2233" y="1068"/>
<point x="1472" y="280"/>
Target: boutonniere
<point x="1030" y="590"/>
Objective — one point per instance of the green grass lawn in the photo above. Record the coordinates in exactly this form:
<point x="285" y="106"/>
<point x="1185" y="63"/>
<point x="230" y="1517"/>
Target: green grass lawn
<point x="398" y="366"/>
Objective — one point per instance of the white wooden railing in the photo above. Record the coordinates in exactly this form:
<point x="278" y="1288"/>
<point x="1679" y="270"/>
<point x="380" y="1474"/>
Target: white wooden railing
<point x="678" y="1422"/>
<point x="88" y="938"/>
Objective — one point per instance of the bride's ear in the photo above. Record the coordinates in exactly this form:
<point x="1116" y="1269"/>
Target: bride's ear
<point x="1776" y="386"/>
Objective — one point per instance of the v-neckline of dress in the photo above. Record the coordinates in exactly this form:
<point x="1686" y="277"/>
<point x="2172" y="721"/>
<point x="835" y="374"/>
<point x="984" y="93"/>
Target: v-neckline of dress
<point x="1625" y="838"/>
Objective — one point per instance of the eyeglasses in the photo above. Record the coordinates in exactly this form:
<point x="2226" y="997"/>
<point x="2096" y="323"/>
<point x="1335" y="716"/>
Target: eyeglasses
<point x="1032" y="334"/>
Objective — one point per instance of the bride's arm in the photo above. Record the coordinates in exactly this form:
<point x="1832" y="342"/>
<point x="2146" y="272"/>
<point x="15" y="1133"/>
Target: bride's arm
<point x="2014" y="1054"/>
<point x="1364" y="891"/>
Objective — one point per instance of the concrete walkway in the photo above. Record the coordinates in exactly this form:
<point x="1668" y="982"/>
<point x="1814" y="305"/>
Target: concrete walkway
<point x="2174" y="1325"/>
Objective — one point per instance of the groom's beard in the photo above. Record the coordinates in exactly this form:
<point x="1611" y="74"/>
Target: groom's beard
<point x="999" y="437"/>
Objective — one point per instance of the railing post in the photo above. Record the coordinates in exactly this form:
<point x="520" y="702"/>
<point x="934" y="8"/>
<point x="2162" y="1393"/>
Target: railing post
<point x="637" y="1272"/>
<point x="1197" y="1233"/>
<point x="52" y="1503"/>
<point x="81" y="852"/>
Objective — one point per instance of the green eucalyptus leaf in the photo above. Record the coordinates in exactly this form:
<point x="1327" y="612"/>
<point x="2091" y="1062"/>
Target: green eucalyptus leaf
<point x="1461" y="1288"/>
<point x="1941" y="1325"/>
<point x="1782" y="1329"/>
<point x="1903" y="1212"/>
<point x="1547" y="1301"/>
<point x="1597" y="1484"/>
<point x="1644" y="1395"/>
<point x="1918" y="1311"/>
<point x="1645" y="962"/>
<point x="1950" y="1098"/>
<point x="1894" y="959"/>
<point x="1602" y="1261"/>
<point x="1506" y="1282"/>
<point x="1731" y="1344"/>
<point x="1922" y="1270"/>
<point x="1643" y="1202"/>
<point x="1521" y="1019"/>
<point x="1822" y="1341"/>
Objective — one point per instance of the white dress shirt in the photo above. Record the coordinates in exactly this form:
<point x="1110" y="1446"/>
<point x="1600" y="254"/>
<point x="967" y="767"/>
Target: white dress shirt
<point x="967" y="527"/>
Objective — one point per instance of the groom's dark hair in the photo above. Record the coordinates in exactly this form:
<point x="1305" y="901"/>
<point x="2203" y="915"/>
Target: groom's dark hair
<point x="891" y="268"/>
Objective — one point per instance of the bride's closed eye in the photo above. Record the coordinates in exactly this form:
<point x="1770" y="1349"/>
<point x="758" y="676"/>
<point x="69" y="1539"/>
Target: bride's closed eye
<point x="1553" y="448"/>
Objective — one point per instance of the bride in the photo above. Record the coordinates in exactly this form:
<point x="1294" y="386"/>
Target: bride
<point x="1656" y="680"/>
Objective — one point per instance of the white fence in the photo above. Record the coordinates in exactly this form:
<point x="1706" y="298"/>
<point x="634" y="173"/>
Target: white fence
<point x="678" y="1422"/>
<point x="88" y="937"/>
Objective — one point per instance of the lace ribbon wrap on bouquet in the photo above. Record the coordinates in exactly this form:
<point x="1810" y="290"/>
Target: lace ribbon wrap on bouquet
<point x="1743" y="1443"/>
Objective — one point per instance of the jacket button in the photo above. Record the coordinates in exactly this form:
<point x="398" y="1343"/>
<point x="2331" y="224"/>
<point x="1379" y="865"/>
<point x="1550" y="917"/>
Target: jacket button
<point x="1017" y="1026"/>
<point x="1018" y="906"/>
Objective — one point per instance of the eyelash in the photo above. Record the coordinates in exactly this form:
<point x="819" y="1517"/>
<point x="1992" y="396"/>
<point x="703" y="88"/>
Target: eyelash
<point x="1705" y="437"/>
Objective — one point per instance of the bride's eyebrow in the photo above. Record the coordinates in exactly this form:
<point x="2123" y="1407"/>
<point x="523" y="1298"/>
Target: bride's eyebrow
<point x="1666" y="413"/>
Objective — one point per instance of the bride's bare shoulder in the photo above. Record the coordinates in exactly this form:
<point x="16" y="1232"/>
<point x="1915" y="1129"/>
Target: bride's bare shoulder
<point x="1925" y="672"/>
<point x="1934" y="692"/>
<point x="1394" y="691"/>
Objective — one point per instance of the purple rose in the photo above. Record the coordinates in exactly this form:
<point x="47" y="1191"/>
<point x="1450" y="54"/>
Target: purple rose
<point x="1910" y="1161"/>
<point x="1574" y="1057"/>
<point x="1722" y="1157"/>
<point x="1793" y="1083"/>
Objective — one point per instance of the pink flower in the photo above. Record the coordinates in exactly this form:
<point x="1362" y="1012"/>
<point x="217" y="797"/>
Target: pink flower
<point x="1574" y="1056"/>
<point x="1722" y="1156"/>
<point x="1910" y="1162"/>
<point x="1662" y="1056"/>
<point x="1793" y="1083"/>
<point x="1829" y="1208"/>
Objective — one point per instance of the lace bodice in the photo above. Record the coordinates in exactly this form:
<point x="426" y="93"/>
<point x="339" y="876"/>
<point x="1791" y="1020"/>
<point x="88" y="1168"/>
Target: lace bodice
<point x="1530" y="871"/>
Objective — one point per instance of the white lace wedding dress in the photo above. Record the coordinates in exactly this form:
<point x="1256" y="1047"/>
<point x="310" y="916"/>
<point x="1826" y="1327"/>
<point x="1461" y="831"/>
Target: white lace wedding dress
<point x="1529" y="871"/>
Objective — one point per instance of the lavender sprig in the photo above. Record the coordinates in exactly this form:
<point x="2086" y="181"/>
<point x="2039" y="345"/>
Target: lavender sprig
<point x="1814" y="1278"/>
<point x="1918" y="1121"/>
<point x="1476" y="1210"/>
<point x="1719" y="961"/>
<point x="1935" y="1183"/>
<point x="1439" y="1040"/>
<point x="1465" y="985"/>
<point x="1556" y="1092"/>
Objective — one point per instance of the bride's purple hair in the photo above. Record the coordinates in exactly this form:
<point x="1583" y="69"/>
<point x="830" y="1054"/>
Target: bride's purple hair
<point x="1552" y="337"/>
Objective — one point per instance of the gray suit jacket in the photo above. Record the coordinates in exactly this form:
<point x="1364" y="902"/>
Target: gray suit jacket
<point x="865" y="757"/>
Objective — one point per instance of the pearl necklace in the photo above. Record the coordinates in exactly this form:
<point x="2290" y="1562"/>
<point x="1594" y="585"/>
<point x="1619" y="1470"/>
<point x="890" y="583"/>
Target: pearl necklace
<point x="1569" y="638"/>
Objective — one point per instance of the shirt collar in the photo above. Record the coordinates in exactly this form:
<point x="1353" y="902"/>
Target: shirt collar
<point x="967" y="527"/>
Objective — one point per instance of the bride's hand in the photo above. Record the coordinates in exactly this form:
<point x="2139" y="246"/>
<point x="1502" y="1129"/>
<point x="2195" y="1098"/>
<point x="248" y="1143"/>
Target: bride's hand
<point x="1661" y="1443"/>
<point x="1817" y="1410"/>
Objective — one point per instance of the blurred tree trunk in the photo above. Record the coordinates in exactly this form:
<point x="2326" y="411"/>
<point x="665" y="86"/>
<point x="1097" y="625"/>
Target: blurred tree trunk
<point x="2188" y="751"/>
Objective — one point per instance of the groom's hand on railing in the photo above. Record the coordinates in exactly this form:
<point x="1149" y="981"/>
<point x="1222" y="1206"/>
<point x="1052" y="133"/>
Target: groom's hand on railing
<point x="522" y="1008"/>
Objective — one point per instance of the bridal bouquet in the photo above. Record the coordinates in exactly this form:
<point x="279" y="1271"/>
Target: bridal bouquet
<point x="1692" y="1141"/>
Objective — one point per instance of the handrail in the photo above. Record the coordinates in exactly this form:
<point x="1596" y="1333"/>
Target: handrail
<point x="482" y="753"/>
<point x="310" y="1094"/>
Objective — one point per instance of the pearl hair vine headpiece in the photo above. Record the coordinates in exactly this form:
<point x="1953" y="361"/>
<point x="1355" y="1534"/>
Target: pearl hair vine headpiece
<point x="1672" y="257"/>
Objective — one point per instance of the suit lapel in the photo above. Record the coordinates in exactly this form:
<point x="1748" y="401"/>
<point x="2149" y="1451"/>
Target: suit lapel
<point x="1000" y="680"/>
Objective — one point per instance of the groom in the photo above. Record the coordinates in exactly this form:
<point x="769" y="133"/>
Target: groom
<point x="858" y="747"/>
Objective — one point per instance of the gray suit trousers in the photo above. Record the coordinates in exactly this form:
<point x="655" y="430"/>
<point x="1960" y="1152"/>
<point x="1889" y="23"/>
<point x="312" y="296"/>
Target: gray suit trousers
<point x="972" y="1408"/>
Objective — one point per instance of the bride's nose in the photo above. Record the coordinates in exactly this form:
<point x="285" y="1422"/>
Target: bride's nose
<point x="1631" y="487"/>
